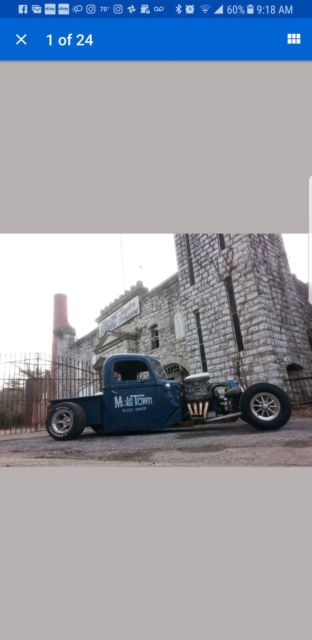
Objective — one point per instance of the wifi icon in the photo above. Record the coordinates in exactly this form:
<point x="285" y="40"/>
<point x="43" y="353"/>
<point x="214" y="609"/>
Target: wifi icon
<point x="205" y="8"/>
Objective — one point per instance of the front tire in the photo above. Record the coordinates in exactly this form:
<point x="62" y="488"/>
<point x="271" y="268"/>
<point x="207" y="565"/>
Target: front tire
<point x="65" y="421"/>
<point x="265" y="406"/>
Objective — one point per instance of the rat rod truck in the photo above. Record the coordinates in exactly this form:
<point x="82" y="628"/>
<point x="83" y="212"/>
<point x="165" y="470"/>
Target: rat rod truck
<point x="138" y="396"/>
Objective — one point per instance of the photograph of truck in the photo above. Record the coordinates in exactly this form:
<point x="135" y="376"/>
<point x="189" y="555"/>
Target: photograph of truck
<point x="201" y="365"/>
<point x="138" y="396"/>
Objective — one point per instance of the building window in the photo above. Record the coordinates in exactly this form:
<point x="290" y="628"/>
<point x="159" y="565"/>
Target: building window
<point x="154" y="337"/>
<point x="175" y="371"/>
<point x="221" y="241"/>
<point x="201" y="341"/>
<point x="189" y="258"/>
<point x="234" y="315"/>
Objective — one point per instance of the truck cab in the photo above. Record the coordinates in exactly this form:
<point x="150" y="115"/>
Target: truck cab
<point x="137" y="394"/>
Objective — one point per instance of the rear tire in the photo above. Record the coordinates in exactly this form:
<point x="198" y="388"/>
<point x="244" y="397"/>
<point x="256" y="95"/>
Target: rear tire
<point x="65" y="421"/>
<point x="265" y="406"/>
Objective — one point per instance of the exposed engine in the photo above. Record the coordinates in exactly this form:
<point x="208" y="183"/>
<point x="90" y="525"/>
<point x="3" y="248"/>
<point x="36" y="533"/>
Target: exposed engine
<point x="205" y="399"/>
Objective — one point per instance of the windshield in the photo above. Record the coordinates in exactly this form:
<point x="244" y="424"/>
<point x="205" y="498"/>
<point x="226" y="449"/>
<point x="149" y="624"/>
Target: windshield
<point x="158" y="368"/>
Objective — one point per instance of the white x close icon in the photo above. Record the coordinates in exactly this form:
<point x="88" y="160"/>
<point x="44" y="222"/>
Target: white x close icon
<point x="21" y="39"/>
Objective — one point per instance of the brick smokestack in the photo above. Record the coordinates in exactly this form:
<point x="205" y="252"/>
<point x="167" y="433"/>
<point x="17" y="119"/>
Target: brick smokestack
<point x="60" y="319"/>
<point x="61" y="328"/>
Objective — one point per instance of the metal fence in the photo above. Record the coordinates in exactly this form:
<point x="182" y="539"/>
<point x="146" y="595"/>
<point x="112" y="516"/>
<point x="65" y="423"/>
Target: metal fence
<point x="29" y="381"/>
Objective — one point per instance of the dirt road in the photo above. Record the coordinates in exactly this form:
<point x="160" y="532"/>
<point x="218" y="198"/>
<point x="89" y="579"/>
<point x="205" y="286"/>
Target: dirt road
<point x="224" y="445"/>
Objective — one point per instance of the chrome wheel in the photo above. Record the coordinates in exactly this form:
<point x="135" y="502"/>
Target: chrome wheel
<point x="62" y="421"/>
<point x="265" y="406"/>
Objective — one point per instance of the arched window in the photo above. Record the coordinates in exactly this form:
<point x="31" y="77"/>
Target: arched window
<point x="294" y="370"/>
<point x="154" y="337"/>
<point x="175" y="371"/>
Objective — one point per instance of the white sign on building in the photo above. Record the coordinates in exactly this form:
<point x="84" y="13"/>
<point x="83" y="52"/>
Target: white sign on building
<point x="120" y="316"/>
<point x="179" y="325"/>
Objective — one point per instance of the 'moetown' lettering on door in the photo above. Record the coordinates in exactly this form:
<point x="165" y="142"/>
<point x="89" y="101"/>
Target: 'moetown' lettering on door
<point x="133" y="401"/>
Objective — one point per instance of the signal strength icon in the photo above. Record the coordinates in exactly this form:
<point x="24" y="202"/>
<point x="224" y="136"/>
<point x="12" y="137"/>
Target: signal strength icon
<point x="205" y="8"/>
<point x="220" y="10"/>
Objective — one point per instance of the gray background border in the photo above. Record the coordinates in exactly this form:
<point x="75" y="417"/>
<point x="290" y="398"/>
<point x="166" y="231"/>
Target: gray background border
<point x="148" y="553"/>
<point x="160" y="147"/>
<point x="156" y="553"/>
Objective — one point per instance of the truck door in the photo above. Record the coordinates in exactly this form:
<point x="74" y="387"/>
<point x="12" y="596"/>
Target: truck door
<point x="169" y="403"/>
<point x="130" y="398"/>
<point x="168" y="397"/>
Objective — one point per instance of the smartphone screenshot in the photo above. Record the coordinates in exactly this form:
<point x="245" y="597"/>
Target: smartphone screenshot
<point x="156" y="163"/>
<point x="156" y="319"/>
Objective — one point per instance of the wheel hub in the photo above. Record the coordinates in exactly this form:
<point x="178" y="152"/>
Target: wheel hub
<point x="265" y="406"/>
<point x="62" y="421"/>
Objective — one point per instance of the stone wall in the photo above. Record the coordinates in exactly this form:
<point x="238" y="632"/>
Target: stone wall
<point x="304" y="309"/>
<point x="272" y="323"/>
<point x="65" y="341"/>
<point x="83" y="348"/>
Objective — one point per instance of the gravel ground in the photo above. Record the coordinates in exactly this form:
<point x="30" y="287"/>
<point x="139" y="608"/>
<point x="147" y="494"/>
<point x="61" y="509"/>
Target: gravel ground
<point x="223" y="445"/>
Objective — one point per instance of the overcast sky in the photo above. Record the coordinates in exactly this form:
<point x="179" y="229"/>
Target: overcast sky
<point x="91" y="271"/>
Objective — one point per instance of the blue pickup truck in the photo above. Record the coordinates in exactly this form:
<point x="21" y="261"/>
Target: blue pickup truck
<point x="138" y="396"/>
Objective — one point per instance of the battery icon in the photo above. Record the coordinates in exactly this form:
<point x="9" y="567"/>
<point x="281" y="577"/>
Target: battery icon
<point x="250" y="9"/>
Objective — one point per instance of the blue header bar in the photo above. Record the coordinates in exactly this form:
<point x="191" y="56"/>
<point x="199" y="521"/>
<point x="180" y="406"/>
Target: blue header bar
<point x="158" y="30"/>
<point x="155" y="40"/>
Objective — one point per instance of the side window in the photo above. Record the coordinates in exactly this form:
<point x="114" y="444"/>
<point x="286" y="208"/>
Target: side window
<point x="130" y="371"/>
<point x="154" y="337"/>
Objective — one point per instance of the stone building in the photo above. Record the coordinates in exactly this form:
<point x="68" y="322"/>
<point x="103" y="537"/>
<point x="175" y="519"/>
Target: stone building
<point x="245" y="313"/>
<point x="232" y="308"/>
<point x="139" y="321"/>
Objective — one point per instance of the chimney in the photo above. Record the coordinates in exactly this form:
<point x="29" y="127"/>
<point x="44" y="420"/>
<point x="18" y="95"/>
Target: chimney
<point x="60" y="324"/>
<point x="60" y="320"/>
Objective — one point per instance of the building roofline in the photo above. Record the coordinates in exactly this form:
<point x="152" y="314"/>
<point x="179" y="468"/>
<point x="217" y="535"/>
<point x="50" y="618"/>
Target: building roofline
<point x="88" y="335"/>
<point x="136" y="289"/>
<point x="165" y="283"/>
<point x="122" y="299"/>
